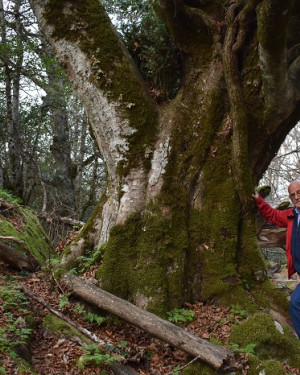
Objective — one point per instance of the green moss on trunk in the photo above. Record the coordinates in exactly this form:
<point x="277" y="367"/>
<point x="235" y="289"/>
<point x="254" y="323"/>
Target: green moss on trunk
<point x="146" y="257"/>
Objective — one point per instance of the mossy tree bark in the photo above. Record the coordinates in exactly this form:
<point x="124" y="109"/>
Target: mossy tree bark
<point x="177" y="221"/>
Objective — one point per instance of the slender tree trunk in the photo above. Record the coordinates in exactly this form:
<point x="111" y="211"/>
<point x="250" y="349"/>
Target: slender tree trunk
<point x="13" y="77"/>
<point x="63" y="189"/>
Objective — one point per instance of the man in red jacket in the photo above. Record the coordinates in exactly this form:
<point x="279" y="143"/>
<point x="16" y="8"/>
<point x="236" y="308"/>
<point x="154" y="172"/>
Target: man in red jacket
<point x="289" y="219"/>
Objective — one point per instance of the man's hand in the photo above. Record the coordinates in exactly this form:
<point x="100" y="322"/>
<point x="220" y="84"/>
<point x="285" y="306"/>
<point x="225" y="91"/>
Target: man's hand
<point x="255" y="195"/>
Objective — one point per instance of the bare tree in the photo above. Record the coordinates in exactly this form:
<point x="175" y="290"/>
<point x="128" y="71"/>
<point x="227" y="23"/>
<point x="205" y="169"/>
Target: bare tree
<point x="284" y="168"/>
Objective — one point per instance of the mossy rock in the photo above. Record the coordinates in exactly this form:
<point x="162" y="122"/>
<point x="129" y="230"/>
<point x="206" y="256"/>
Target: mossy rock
<point x="260" y="329"/>
<point x="198" y="368"/>
<point x="20" y="223"/>
<point x="268" y="367"/>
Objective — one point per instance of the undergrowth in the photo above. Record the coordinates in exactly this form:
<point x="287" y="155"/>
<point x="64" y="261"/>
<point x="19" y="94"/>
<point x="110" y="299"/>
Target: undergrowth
<point x="95" y="356"/>
<point x="8" y="197"/>
<point x="16" y="331"/>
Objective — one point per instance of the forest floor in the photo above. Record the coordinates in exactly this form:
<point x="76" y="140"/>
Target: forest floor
<point x="55" y="354"/>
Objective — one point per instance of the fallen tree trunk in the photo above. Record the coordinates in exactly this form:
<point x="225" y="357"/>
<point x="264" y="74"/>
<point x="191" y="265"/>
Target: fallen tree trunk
<point x="18" y="260"/>
<point x="213" y="355"/>
<point x="61" y="219"/>
<point x="6" y="205"/>
<point x="17" y="241"/>
<point x="272" y="237"/>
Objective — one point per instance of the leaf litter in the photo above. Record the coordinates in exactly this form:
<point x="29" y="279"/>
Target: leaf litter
<point x="56" y="354"/>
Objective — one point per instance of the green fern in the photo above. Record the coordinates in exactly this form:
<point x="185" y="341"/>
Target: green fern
<point x="94" y="318"/>
<point x="6" y="195"/>
<point x="181" y="315"/>
<point x="95" y="356"/>
<point x="249" y="349"/>
<point x="79" y="309"/>
<point x="13" y="298"/>
<point x="64" y="300"/>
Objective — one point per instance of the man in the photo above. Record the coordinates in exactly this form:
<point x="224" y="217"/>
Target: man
<point x="289" y="219"/>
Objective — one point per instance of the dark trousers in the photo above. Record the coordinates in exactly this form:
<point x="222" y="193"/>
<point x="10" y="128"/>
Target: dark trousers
<point x="295" y="309"/>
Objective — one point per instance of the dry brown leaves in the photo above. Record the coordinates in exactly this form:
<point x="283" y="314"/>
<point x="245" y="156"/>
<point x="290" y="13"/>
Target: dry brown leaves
<point x="66" y="241"/>
<point x="54" y="354"/>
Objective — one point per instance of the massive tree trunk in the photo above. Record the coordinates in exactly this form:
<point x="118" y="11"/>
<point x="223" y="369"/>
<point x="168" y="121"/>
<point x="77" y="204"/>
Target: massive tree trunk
<point x="177" y="218"/>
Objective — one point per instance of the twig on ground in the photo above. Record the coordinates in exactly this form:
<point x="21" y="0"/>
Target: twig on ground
<point x="183" y="367"/>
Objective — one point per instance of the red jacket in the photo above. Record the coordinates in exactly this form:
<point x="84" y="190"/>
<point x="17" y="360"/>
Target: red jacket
<point x="281" y="219"/>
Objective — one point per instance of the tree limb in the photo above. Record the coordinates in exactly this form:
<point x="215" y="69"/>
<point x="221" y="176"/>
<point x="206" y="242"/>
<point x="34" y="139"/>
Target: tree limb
<point x="240" y="120"/>
<point x="183" y="367"/>
<point x="209" y="353"/>
<point x="109" y="107"/>
<point x="272" y="237"/>
<point x="16" y="240"/>
<point x="22" y="244"/>
<point x="272" y="19"/>
<point x="6" y="205"/>
<point x="91" y="336"/>
<point x="204" y="18"/>
<point x="61" y="219"/>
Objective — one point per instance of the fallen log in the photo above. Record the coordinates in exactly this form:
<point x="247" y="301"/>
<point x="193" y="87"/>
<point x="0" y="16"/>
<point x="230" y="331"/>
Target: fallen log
<point x="6" y="205"/>
<point x="18" y="260"/>
<point x="61" y="219"/>
<point x="211" y="354"/>
<point x="272" y="237"/>
<point x="17" y="241"/>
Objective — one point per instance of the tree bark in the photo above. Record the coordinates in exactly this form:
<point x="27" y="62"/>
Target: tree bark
<point x="6" y="205"/>
<point x="207" y="352"/>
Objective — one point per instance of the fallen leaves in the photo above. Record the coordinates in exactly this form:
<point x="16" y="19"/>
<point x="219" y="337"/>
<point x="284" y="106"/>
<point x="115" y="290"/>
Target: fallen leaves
<point x="56" y="354"/>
